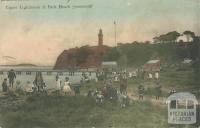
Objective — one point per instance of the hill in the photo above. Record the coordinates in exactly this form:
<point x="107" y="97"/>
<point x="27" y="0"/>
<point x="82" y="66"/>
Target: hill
<point x="83" y="57"/>
<point x="23" y="64"/>
<point x="127" y="55"/>
<point x="137" y="54"/>
<point x="26" y="64"/>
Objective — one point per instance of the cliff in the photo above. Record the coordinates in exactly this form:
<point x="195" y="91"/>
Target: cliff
<point x="83" y="57"/>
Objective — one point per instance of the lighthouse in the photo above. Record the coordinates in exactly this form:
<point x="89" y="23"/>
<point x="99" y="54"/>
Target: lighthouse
<point x="100" y="37"/>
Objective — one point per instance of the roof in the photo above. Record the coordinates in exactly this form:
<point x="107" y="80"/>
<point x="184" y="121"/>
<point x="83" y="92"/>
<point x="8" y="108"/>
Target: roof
<point x="109" y="63"/>
<point x="187" y="61"/>
<point x="182" y="96"/>
<point x="153" y="61"/>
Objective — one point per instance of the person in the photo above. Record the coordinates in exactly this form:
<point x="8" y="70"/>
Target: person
<point x="116" y="79"/>
<point x="58" y="84"/>
<point x="158" y="90"/>
<point x="123" y="84"/>
<point x="43" y="87"/>
<point x="39" y="82"/>
<point x="150" y="76"/>
<point x="66" y="87"/>
<point x="77" y="89"/>
<point x="172" y="91"/>
<point x="141" y="92"/>
<point x="143" y="74"/>
<point x="29" y="88"/>
<point x="57" y="77"/>
<point x="157" y="75"/>
<point x="4" y="85"/>
<point x="98" y="96"/>
<point x="105" y="92"/>
<point x="89" y="93"/>
<point x="11" y="77"/>
<point x="124" y="100"/>
<point x="134" y="74"/>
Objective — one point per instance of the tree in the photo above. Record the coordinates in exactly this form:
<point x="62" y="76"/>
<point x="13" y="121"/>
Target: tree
<point x="112" y="55"/>
<point x="123" y="60"/>
<point x="169" y="37"/>
<point x="172" y="36"/>
<point x="156" y="39"/>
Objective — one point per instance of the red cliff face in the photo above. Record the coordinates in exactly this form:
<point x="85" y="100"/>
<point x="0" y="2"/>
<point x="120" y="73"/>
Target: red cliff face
<point x="83" y="57"/>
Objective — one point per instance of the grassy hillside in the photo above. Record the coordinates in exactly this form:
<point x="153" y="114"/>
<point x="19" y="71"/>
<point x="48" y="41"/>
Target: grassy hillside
<point x="138" y="54"/>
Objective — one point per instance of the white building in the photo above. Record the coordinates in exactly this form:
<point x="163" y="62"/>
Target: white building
<point x="184" y="38"/>
<point x="109" y="64"/>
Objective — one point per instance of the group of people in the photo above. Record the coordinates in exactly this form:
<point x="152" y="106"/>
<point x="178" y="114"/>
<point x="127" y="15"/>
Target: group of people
<point x="158" y="91"/>
<point x="11" y="78"/>
<point x="38" y="85"/>
<point x="109" y="92"/>
<point x="106" y="92"/>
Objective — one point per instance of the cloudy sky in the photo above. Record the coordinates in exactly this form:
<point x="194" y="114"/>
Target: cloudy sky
<point x="39" y="35"/>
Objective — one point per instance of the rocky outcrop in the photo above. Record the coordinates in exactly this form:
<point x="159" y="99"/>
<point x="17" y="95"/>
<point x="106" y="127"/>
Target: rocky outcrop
<point x="83" y="57"/>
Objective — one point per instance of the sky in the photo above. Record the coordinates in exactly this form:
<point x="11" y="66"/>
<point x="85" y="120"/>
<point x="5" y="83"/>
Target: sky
<point x="38" y="36"/>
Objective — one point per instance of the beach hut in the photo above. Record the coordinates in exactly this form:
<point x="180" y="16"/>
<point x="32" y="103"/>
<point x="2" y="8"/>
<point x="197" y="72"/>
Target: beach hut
<point x="109" y="64"/>
<point x="152" y="65"/>
<point x="182" y="108"/>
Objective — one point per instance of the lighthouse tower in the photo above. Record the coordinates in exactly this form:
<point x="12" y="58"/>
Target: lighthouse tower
<point x="100" y="36"/>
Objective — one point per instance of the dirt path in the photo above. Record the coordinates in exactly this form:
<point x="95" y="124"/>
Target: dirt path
<point x="161" y="102"/>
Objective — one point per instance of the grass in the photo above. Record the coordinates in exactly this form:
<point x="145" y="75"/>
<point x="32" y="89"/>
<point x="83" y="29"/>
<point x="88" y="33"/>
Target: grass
<point x="66" y="111"/>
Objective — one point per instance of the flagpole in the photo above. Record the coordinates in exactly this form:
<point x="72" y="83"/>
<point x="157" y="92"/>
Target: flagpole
<point x="115" y="27"/>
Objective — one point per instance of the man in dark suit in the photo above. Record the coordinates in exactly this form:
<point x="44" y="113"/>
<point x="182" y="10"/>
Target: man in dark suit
<point x="11" y="77"/>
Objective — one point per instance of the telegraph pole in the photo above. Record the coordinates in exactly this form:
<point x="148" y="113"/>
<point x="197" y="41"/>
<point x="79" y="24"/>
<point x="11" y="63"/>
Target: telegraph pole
<point x="115" y="27"/>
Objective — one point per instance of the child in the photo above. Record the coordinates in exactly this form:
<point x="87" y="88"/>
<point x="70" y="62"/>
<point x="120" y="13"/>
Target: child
<point x="29" y="88"/>
<point x="5" y="85"/>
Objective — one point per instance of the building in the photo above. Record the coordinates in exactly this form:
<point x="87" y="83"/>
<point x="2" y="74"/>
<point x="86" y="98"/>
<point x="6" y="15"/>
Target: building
<point x="109" y="65"/>
<point x="184" y="39"/>
<point x="100" y="37"/>
<point x="152" y="65"/>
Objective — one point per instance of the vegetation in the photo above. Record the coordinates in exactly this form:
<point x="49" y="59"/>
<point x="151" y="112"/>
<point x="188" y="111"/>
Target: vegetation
<point x="195" y="55"/>
<point x="169" y="37"/>
<point x="56" y="111"/>
<point x="136" y="55"/>
<point x="164" y="47"/>
<point x="82" y="54"/>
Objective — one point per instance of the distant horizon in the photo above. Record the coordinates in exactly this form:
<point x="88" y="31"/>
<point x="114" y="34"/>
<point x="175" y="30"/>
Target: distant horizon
<point x="33" y="65"/>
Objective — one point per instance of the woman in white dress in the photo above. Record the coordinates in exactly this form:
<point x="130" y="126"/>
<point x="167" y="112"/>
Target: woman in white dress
<point x="66" y="87"/>
<point x="58" y="84"/>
